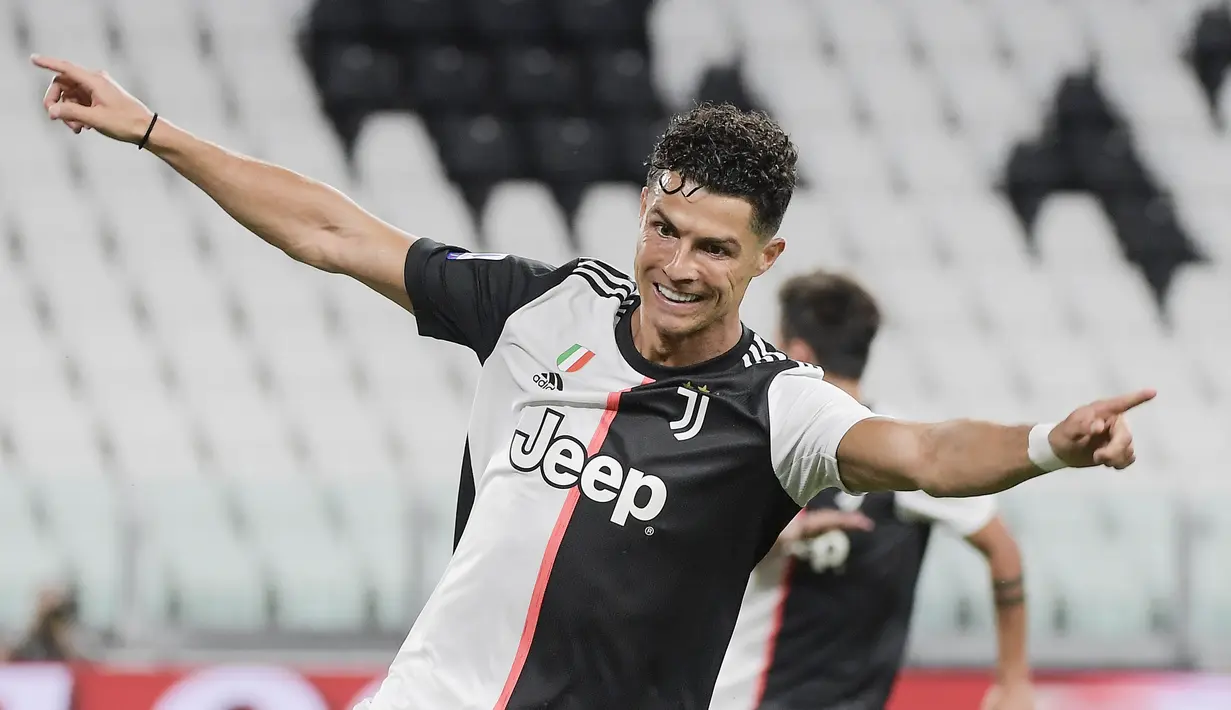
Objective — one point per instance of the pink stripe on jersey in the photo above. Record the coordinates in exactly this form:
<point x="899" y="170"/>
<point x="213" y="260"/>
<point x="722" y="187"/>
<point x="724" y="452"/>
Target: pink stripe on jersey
<point x="549" y="559"/>
<point x="783" y="591"/>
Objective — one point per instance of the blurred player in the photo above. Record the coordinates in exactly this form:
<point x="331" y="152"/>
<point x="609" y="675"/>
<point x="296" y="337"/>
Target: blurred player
<point x="633" y="450"/>
<point x="825" y="615"/>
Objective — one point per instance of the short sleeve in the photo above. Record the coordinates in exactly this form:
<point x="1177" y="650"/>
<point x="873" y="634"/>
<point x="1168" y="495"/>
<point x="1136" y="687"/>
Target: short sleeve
<point x="465" y="297"/>
<point x="964" y="516"/>
<point x="807" y="419"/>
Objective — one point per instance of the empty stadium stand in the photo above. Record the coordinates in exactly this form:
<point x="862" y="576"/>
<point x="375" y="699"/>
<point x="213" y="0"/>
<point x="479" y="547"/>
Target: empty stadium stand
<point x="205" y="437"/>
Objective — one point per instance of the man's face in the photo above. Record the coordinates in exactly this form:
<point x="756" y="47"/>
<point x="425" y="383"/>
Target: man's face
<point x="695" y="257"/>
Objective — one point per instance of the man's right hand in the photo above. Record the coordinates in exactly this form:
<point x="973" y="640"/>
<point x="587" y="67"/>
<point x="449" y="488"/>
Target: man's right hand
<point x="82" y="98"/>
<point x="813" y="523"/>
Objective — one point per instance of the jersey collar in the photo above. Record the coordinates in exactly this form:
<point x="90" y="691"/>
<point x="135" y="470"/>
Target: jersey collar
<point x="624" y="339"/>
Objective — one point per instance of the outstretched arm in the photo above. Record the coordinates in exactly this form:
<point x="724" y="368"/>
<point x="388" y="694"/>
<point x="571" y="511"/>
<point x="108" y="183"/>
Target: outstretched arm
<point x="967" y="458"/>
<point x="308" y="220"/>
<point x="1004" y="561"/>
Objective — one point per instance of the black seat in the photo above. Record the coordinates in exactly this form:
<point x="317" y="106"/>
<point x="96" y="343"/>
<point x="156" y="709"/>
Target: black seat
<point x="358" y="77"/>
<point x="571" y="151"/>
<point x="539" y="80"/>
<point x="508" y="21"/>
<point x="339" y="20"/>
<point x="634" y="139"/>
<point x="605" y="23"/>
<point x="449" y="79"/>
<point x="479" y="149"/>
<point x="1209" y="51"/>
<point x="410" y="20"/>
<point x="620" y="80"/>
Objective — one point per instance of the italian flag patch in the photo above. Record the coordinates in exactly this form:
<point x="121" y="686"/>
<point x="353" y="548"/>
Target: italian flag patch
<point x="574" y="359"/>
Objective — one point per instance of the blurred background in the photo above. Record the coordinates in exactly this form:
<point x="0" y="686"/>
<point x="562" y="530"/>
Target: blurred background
<point x="217" y="463"/>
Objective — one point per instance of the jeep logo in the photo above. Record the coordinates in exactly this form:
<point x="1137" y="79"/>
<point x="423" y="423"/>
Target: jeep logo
<point x="563" y="463"/>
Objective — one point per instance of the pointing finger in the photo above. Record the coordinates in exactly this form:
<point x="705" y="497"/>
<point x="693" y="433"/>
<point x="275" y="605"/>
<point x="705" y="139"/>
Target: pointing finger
<point x="77" y="74"/>
<point x="1123" y="403"/>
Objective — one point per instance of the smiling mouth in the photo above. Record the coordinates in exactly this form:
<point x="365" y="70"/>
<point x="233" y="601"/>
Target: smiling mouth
<point x="673" y="296"/>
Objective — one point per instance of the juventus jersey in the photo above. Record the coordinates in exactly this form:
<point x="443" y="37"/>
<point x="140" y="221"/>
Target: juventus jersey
<point x="618" y="506"/>
<point x="824" y="627"/>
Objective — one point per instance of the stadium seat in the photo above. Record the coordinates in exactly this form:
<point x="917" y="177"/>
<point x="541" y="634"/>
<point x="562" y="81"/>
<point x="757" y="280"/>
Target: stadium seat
<point x="481" y="149"/>
<point x="396" y="149"/>
<point x="620" y="81"/>
<point x="570" y="151"/>
<point x="421" y="20"/>
<point x="376" y="523"/>
<point x="523" y="218"/>
<point x="539" y="79"/>
<point x="289" y="523"/>
<point x="601" y="23"/>
<point x="954" y="595"/>
<point x="31" y="562"/>
<point x="193" y="570"/>
<point x="695" y="35"/>
<point x="509" y="21"/>
<point x="607" y="224"/>
<point x="449" y="78"/>
<point x="85" y="517"/>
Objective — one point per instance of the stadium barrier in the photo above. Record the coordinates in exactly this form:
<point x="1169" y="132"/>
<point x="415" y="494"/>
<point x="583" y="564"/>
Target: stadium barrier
<point x="53" y="687"/>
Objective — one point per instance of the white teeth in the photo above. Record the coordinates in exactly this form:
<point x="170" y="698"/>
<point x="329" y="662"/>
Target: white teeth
<point x="676" y="296"/>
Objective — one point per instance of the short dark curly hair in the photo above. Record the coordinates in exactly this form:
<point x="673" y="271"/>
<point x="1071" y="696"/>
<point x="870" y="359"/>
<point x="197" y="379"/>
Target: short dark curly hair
<point x="835" y="316"/>
<point x="731" y="152"/>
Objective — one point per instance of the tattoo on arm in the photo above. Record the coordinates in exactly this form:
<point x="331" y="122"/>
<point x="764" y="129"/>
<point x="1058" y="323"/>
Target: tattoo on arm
<point x="1008" y="592"/>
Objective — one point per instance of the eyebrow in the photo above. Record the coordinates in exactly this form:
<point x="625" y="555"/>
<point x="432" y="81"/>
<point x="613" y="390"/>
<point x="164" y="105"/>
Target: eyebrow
<point x="727" y="241"/>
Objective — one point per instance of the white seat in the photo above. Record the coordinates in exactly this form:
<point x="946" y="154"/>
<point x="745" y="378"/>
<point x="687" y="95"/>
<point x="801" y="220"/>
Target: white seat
<point x="1136" y="309"/>
<point x="376" y="518"/>
<point x="992" y="106"/>
<point x="936" y="163"/>
<point x="396" y="148"/>
<point x="607" y="226"/>
<point x="1193" y="162"/>
<point x="772" y="25"/>
<point x="970" y="369"/>
<point x="1061" y="374"/>
<point x="1157" y="95"/>
<point x="1199" y="302"/>
<point x="151" y="436"/>
<point x="246" y="432"/>
<point x="344" y="439"/>
<point x="54" y="432"/>
<point x="923" y="301"/>
<point x="844" y="162"/>
<point x="898" y="95"/>
<point x="522" y="218"/>
<point x="314" y="574"/>
<point x="829" y="102"/>
<point x="696" y="36"/>
<point x="1208" y="219"/>
<point x="976" y="230"/>
<point x="1123" y="35"/>
<point x="951" y="30"/>
<point x="192" y="568"/>
<point x="1045" y="41"/>
<point x="953" y="598"/>
<point x="84" y="517"/>
<point x="814" y="238"/>
<point x="436" y="211"/>
<point x="884" y="231"/>
<point x="1072" y="231"/>
<point x="862" y="30"/>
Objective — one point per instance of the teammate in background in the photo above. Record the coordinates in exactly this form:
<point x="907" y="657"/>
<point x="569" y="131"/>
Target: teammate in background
<point x="825" y="616"/>
<point x="613" y="520"/>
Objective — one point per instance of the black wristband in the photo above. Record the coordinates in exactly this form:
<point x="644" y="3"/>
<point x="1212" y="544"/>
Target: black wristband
<point x="148" y="131"/>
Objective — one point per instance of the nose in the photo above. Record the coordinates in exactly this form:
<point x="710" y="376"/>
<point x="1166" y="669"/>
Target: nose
<point x="683" y="264"/>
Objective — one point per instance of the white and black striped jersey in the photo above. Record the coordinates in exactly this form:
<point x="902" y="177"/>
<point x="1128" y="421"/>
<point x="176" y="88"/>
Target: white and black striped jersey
<point x="825" y="627"/>
<point x="618" y="506"/>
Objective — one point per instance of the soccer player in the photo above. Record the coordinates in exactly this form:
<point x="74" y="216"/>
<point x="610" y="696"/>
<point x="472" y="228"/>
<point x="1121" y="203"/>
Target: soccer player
<point x="618" y="512"/>
<point x="826" y="612"/>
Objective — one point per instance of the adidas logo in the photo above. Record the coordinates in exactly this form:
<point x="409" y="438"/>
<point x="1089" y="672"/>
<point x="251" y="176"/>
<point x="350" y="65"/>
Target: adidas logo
<point x="549" y="381"/>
